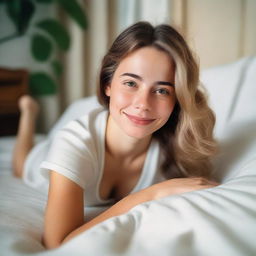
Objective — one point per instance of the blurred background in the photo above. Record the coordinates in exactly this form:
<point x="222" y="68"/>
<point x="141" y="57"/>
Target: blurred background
<point x="52" y="49"/>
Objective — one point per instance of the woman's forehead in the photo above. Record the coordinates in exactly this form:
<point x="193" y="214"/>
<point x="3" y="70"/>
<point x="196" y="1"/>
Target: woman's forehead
<point x="147" y="60"/>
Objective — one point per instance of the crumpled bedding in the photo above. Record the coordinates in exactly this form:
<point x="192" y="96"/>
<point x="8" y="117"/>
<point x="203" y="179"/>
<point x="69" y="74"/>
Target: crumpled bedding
<point x="215" y="221"/>
<point x="219" y="221"/>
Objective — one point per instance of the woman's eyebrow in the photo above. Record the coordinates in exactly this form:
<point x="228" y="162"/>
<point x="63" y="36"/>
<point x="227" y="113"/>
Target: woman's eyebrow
<point x="132" y="75"/>
<point x="140" y="78"/>
<point x="164" y="83"/>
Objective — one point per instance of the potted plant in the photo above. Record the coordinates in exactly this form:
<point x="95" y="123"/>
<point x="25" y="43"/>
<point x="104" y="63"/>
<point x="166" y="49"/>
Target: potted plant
<point x="47" y="38"/>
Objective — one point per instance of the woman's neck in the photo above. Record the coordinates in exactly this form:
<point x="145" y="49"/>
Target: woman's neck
<point x="120" y="145"/>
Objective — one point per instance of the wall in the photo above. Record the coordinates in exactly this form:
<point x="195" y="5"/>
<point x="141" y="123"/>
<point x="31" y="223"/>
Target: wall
<point x="219" y="31"/>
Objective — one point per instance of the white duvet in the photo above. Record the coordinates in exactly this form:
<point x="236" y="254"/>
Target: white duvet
<point x="216" y="221"/>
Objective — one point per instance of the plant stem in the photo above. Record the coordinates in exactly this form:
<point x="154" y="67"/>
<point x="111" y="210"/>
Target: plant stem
<point x="8" y="38"/>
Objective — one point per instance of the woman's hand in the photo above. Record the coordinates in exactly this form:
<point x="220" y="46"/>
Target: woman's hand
<point x="179" y="186"/>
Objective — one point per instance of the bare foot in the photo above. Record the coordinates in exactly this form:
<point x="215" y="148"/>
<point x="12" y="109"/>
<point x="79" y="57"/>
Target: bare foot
<point x="25" y="137"/>
<point x="28" y="105"/>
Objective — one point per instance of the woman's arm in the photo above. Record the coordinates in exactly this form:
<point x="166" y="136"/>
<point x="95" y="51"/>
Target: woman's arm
<point x="169" y="187"/>
<point x="64" y="211"/>
<point x="64" y="216"/>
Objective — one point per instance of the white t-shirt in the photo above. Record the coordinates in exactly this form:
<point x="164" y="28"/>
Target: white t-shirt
<point x="78" y="151"/>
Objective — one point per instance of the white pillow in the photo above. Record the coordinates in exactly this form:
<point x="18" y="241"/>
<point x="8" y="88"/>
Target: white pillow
<point x="232" y="92"/>
<point x="232" y="95"/>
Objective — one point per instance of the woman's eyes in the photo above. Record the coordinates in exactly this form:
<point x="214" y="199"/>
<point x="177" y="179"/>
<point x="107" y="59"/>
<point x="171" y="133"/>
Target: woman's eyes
<point x="159" y="91"/>
<point x="130" y="83"/>
<point x="162" y="91"/>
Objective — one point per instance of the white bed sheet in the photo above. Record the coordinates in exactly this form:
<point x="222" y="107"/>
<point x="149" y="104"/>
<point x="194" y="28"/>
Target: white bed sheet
<point x="21" y="208"/>
<point x="216" y="221"/>
<point x="219" y="221"/>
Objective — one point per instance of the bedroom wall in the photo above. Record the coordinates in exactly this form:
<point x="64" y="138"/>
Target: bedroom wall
<point x="219" y="31"/>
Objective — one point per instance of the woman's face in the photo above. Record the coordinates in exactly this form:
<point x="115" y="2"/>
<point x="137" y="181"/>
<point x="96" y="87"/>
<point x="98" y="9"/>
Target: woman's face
<point x="142" y="93"/>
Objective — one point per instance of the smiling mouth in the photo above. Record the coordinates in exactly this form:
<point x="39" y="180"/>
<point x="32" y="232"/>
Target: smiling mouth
<point x="139" y="120"/>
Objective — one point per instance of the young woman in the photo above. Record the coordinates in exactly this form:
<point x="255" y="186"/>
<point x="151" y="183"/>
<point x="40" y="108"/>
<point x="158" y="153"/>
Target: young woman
<point x="154" y="138"/>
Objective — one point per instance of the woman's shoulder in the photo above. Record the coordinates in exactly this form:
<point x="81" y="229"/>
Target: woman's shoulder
<point x="89" y="127"/>
<point x="87" y="122"/>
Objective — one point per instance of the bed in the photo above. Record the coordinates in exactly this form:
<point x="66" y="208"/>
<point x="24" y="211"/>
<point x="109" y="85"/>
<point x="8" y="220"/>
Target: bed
<point x="216" y="221"/>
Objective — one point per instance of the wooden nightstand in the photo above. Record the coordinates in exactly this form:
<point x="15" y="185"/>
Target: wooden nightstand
<point x="13" y="84"/>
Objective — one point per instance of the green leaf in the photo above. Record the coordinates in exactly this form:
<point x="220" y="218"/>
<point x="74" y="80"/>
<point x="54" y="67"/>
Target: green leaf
<point x="75" y="11"/>
<point x="41" y="84"/>
<point x="56" y="31"/>
<point x="57" y="68"/>
<point x="21" y="13"/>
<point x="45" y="1"/>
<point x="41" y="47"/>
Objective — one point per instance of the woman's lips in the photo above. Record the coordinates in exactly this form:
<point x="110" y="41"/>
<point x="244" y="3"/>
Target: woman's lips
<point x="139" y="120"/>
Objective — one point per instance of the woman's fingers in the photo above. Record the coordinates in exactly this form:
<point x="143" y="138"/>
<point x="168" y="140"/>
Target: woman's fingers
<point x="202" y="180"/>
<point x="182" y="185"/>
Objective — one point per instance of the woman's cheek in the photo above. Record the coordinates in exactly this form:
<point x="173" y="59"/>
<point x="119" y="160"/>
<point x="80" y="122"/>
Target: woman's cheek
<point x="164" y="109"/>
<point x="122" y="98"/>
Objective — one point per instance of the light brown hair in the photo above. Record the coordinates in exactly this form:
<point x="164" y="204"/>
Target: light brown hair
<point x="187" y="137"/>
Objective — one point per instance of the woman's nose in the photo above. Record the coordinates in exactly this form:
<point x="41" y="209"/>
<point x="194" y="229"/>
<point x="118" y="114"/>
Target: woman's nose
<point x="142" y="101"/>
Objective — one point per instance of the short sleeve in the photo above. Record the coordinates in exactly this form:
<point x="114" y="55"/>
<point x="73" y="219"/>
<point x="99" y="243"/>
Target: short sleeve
<point x="72" y="154"/>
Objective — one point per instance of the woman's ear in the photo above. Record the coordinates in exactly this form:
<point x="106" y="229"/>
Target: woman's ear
<point x="107" y="90"/>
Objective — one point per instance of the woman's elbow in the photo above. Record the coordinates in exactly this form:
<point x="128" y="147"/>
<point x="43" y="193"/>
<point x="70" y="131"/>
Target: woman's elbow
<point x="50" y="242"/>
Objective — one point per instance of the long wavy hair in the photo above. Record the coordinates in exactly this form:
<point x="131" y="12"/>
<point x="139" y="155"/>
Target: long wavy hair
<point x="187" y="137"/>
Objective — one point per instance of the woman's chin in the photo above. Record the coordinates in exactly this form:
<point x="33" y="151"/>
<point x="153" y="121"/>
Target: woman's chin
<point x="137" y="133"/>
